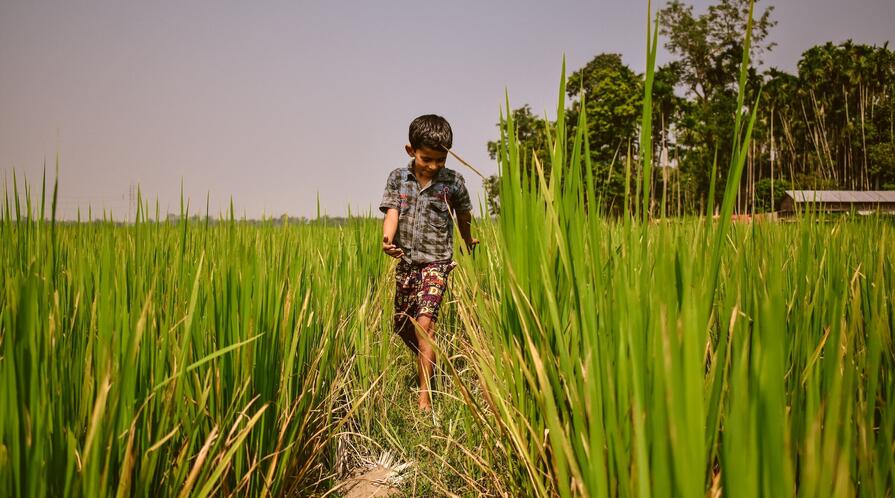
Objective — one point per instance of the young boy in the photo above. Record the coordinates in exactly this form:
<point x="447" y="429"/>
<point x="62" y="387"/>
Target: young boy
<point x="420" y="203"/>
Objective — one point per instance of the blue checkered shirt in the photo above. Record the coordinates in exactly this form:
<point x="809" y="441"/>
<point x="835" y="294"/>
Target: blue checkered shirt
<point x="425" y="216"/>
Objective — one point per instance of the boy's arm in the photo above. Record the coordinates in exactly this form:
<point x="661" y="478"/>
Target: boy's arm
<point x="389" y="228"/>
<point x="464" y="225"/>
<point x="389" y="206"/>
<point x="463" y="209"/>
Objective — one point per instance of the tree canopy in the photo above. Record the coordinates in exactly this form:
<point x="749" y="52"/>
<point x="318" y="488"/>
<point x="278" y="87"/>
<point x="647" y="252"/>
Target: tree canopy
<point x="830" y="125"/>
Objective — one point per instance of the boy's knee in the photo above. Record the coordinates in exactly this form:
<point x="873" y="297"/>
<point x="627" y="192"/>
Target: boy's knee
<point x="425" y="323"/>
<point x="424" y="334"/>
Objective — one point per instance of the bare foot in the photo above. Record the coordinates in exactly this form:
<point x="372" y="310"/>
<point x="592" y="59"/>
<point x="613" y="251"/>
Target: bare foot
<point x="425" y="405"/>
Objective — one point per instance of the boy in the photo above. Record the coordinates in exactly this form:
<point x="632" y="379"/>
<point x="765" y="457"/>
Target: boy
<point x="420" y="203"/>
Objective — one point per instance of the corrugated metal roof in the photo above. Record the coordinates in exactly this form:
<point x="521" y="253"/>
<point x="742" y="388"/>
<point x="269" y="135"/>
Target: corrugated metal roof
<point x="843" y="196"/>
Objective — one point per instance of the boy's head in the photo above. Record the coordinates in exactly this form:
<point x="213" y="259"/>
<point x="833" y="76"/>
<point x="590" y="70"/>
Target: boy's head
<point x="430" y="138"/>
<point x="431" y="131"/>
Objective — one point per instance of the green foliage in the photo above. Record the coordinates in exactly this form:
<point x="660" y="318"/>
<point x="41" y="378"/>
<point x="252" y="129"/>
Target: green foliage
<point x="610" y="93"/>
<point x="709" y="51"/>
<point x="803" y="181"/>
<point x="158" y="358"/>
<point x="532" y="132"/>
<point x="846" y="98"/>
<point x="492" y="193"/>
<point x="579" y="356"/>
<point x="829" y="126"/>
<point x="615" y="363"/>
<point x="882" y="162"/>
<point x="709" y="45"/>
<point x="769" y="194"/>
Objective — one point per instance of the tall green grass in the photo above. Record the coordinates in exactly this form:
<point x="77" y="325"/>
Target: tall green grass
<point x="188" y="359"/>
<point x="682" y="358"/>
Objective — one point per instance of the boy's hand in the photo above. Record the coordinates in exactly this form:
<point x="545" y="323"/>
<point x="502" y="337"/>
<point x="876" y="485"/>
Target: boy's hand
<point x="391" y="249"/>
<point x="470" y="244"/>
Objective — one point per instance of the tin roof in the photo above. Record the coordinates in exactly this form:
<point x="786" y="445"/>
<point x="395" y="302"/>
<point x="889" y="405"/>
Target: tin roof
<point x="843" y="196"/>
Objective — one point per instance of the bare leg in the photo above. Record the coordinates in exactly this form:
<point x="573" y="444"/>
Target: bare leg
<point x="424" y="338"/>
<point x="408" y="335"/>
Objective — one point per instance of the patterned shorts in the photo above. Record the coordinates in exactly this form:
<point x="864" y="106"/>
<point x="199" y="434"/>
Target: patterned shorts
<point x="419" y="289"/>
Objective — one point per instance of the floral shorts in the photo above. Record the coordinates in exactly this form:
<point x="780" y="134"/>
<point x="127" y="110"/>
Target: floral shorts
<point x="419" y="290"/>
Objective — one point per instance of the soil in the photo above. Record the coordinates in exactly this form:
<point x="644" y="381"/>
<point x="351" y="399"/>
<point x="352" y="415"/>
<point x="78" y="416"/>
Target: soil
<point x="373" y="482"/>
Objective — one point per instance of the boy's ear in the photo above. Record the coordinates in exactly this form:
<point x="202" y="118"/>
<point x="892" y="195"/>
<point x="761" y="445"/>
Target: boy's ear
<point x="409" y="149"/>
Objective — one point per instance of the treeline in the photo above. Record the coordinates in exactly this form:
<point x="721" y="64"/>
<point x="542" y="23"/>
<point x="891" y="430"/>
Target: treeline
<point x="829" y="126"/>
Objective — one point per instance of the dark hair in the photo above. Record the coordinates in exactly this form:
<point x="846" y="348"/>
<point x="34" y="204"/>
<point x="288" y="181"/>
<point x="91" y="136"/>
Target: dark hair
<point x="431" y="131"/>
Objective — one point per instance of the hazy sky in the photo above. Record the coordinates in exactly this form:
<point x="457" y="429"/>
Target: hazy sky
<point x="273" y="102"/>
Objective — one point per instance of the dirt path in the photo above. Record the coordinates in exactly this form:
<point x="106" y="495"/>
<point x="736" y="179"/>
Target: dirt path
<point x="374" y="482"/>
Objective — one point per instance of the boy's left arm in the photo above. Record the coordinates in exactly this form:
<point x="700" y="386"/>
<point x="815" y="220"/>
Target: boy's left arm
<point x="464" y="224"/>
<point x="463" y="209"/>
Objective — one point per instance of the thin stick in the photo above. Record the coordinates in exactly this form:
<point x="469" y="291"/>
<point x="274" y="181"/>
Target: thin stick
<point x="464" y="163"/>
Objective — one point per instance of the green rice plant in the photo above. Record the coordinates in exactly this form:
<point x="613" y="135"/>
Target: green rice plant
<point x="158" y="358"/>
<point x="677" y="359"/>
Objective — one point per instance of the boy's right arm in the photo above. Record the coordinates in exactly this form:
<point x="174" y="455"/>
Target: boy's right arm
<point x="389" y="205"/>
<point x="389" y="228"/>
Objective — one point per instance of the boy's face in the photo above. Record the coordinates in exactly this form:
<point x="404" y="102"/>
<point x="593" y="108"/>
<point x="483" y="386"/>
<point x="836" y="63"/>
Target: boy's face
<point x="426" y="161"/>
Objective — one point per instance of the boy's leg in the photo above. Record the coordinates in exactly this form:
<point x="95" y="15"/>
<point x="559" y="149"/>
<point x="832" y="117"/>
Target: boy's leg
<point x="406" y="283"/>
<point x="432" y="286"/>
<point x="407" y="334"/>
<point x="425" y="340"/>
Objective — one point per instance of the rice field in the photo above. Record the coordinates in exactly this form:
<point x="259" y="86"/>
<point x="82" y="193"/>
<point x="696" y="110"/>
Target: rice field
<point x="579" y="355"/>
<point x="617" y="359"/>
<point x="157" y="358"/>
<point x="587" y="358"/>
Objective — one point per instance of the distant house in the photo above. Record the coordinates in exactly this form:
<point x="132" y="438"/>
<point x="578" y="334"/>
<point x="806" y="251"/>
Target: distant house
<point x="862" y="201"/>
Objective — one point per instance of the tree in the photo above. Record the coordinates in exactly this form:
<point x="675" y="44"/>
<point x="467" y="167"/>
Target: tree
<point x="846" y="96"/>
<point x="710" y="46"/>
<point x="532" y="138"/>
<point x="611" y="94"/>
<point x="831" y="125"/>
<point x="709" y="50"/>
<point x="882" y="161"/>
<point x="529" y="133"/>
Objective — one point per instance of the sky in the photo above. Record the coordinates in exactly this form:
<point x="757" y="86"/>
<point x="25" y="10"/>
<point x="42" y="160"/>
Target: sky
<point x="275" y="103"/>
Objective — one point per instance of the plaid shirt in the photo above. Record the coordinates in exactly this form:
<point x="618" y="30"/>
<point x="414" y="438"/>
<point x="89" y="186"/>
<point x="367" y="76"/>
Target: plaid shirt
<point x="425" y="216"/>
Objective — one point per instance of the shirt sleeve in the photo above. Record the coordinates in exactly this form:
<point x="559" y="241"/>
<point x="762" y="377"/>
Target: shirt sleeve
<point x="390" y="197"/>
<point x="461" y="202"/>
